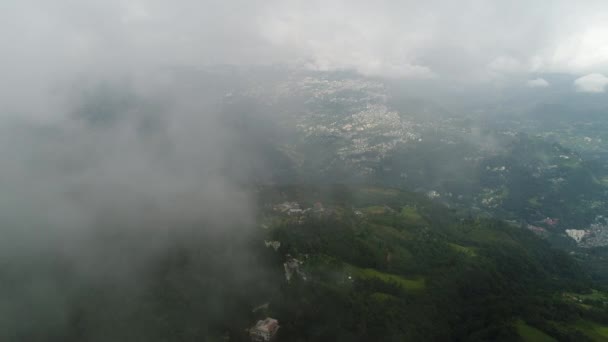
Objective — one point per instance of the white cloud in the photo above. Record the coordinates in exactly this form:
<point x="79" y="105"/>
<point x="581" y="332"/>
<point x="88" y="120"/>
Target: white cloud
<point x="505" y="64"/>
<point x="583" y="50"/>
<point x="468" y="40"/>
<point x="537" y="83"/>
<point x="592" y="83"/>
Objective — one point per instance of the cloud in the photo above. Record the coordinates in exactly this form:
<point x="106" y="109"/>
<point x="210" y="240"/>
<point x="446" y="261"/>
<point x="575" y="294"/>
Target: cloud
<point x="537" y="83"/>
<point x="105" y="181"/>
<point x="469" y="40"/>
<point x="592" y="83"/>
<point x="505" y="64"/>
<point x="100" y="134"/>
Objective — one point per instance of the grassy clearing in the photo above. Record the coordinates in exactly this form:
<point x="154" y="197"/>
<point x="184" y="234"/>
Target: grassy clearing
<point x="531" y="334"/>
<point x="594" y="295"/>
<point x="375" y="210"/>
<point x="390" y="233"/>
<point x="380" y="191"/>
<point x="571" y="163"/>
<point x="594" y="331"/>
<point x="411" y="215"/>
<point x="534" y="202"/>
<point x="462" y="249"/>
<point x="487" y="235"/>
<point x="413" y="284"/>
<point x="382" y="297"/>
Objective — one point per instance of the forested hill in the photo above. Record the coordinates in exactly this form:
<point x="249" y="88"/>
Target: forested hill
<point x="384" y="265"/>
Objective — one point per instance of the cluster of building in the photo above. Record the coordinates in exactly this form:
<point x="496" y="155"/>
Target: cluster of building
<point x="294" y="209"/>
<point x="576" y="234"/>
<point x="542" y="228"/>
<point x="364" y="116"/>
<point x="594" y="236"/>
<point x="264" y="330"/>
<point x="432" y="194"/>
<point x="273" y="243"/>
<point x="292" y="268"/>
<point x="551" y="221"/>
<point x="289" y="208"/>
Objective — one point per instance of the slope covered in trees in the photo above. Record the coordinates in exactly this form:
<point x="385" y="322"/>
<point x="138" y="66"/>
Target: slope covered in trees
<point x="381" y="264"/>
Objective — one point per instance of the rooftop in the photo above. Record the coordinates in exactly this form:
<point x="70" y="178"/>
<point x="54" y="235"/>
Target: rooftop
<point x="267" y="325"/>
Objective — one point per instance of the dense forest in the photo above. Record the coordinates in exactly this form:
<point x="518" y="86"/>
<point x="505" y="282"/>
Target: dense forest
<point x="404" y="268"/>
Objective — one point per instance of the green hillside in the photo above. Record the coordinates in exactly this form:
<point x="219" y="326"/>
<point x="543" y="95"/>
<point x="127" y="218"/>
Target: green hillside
<point x="381" y="264"/>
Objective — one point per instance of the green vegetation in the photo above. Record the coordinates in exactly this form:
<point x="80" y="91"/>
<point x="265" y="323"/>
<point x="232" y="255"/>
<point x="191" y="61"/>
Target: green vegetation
<point x="375" y="210"/>
<point x="416" y="271"/>
<point x="414" y="284"/>
<point x="594" y="295"/>
<point x="531" y="334"/>
<point x="409" y="269"/>
<point x="382" y="297"/>
<point x="593" y="330"/>
<point x="526" y="178"/>
<point x="411" y="215"/>
<point x="379" y="191"/>
<point x="465" y="250"/>
<point x="533" y="201"/>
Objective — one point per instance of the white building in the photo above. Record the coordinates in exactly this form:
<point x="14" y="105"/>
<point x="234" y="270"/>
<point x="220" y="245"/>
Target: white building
<point x="264" y="330"/>
<point x="576" y="234"/>
<point x="292" y="268"/>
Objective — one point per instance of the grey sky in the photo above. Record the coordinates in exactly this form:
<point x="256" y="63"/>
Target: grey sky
<point x="464" y="40"/>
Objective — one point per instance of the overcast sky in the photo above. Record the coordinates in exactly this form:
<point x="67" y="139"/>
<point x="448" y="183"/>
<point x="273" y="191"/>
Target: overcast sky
<point x="45" y="45"/>
<point x="469" y="39"/>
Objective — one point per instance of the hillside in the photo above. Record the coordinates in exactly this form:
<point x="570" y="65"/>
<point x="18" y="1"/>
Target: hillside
<point x="381" y="264"/>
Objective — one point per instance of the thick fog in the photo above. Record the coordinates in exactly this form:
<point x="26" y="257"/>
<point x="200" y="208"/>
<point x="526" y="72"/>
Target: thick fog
<point x="101" y="135"/>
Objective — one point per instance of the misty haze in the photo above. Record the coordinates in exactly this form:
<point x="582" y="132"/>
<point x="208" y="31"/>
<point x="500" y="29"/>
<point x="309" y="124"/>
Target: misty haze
<point x="303" y="170"/>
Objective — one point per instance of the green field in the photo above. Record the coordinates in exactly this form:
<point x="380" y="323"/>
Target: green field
<point x="411" y="215"/>
<point x="594" y="295"/>
<point x="533" y="201"/>
<point x="462" y="249"/>
<point x="375" y="210"/>
<point x="414" y="284"/>
<point x="390" y="233"/>
<point x="531" y="334"/>
<point x="382" y="297"/>
<point x="596" y="332"/>
<point x="379" y="191"/>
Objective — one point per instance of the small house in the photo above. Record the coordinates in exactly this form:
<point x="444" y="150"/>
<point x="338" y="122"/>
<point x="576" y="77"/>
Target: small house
<point x="264" y="330"/>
